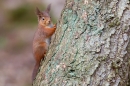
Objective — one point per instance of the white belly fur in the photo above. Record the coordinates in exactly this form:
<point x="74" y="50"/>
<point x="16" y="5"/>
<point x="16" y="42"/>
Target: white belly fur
<point x="48" y="42"/>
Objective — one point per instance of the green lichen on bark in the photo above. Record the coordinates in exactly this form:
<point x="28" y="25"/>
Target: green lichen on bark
<point x="89" y="47"/>
<point x="115" y="22"/>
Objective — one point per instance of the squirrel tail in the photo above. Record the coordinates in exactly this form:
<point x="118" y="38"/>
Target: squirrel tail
<point x="35" y="71"/>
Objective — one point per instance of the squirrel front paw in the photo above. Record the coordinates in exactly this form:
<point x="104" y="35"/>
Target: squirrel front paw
<point x="55" y="25"/>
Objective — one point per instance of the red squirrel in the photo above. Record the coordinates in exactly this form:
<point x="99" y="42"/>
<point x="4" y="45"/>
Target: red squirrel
<point x="42" y="37"/>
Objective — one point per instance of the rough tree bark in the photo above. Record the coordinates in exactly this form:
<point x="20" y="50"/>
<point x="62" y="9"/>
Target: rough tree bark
<point x="91" y="46"/>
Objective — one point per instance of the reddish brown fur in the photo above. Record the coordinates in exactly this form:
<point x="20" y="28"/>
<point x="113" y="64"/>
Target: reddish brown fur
<point x="44" y="32"/>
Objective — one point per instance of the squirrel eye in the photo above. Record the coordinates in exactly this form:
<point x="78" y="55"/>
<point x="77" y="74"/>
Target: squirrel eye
<point x="43" y="18"/>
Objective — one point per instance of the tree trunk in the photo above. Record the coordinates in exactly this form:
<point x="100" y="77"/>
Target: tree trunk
<point x="90" y="47"/>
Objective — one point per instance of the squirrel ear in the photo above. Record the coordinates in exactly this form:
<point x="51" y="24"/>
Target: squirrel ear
<point x="38" y="12"/>
<point x="48" y="8"/>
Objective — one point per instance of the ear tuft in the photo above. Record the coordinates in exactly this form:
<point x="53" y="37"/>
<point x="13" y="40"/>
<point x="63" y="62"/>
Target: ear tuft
<point x="48" y="8"/>
<point x="38" y="12"/>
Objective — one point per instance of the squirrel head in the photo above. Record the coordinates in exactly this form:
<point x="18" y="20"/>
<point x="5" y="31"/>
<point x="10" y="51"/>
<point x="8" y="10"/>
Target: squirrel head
<point x="44" y="17"/>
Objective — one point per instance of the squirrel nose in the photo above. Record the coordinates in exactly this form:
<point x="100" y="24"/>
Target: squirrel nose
<point x="49" y="21"/>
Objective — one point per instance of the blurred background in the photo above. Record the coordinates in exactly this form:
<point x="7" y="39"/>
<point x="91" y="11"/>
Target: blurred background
<point x="18" y="24"/>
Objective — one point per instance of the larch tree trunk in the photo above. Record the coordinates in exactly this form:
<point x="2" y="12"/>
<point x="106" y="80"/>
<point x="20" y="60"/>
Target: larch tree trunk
<point x="90" y="46"/>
